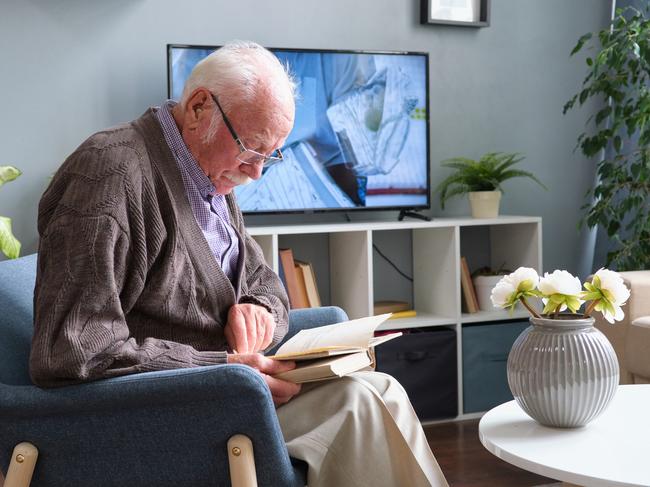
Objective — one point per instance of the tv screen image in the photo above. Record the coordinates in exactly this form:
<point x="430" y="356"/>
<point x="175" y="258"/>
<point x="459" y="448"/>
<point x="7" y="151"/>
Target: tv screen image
<point x="360" y="138"/>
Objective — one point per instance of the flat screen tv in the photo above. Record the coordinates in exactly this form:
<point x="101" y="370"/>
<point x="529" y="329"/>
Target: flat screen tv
<point x="361" y="134"/>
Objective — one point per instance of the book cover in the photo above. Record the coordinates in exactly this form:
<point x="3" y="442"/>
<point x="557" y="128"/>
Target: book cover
<point x="410" y="313"/>
<point x="327" y="368"/>
<point x="471" y="302"/>
<point x="296" y="298"/>
<point x="382" y="307"/>
<point x="320" y="352"/>
<point x="302" y="288"/>
<point x="311" y="287"/>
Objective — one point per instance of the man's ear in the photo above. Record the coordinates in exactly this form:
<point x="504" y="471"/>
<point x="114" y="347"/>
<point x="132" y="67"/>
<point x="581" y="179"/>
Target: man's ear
<point x="195" y="107"/>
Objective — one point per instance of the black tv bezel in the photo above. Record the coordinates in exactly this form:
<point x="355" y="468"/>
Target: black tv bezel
<point x="307" y="211"/>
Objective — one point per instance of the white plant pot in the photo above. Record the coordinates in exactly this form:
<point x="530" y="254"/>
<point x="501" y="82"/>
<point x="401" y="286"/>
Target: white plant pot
<point x="483" y="286"/>
<point x="485" y="204"/>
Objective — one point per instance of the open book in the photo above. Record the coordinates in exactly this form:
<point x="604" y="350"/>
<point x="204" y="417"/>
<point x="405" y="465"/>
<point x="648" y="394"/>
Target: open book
<point x="332" y="351"/>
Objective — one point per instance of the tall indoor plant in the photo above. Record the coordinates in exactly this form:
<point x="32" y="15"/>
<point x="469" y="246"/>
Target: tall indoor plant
<point x="481" y="180"/>
<point x="619" y="79"/>
<point x="9" y="245"/>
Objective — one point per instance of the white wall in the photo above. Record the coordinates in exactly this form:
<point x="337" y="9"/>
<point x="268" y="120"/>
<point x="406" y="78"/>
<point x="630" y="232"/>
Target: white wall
<point x="71" y="67"/>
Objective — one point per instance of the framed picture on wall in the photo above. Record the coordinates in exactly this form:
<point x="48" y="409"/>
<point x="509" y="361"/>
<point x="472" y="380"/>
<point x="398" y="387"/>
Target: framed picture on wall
<point x="470" y="13"/>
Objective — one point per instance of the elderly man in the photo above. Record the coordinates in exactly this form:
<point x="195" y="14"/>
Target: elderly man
<point x="145" y="264"/>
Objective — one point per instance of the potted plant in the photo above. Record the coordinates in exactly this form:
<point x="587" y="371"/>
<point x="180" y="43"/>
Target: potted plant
<point x="619" y="134"/>
<point x="481" y="180"/>
<point x="9" y="245"/>
<point x="484" y="279"/>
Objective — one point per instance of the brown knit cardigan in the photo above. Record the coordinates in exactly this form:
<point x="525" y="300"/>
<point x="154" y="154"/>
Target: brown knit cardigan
<point x="126" y="281"/>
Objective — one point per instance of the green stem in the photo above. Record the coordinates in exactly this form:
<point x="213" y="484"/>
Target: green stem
<point x="529" y="308"/>
<point x="591" y="307"/>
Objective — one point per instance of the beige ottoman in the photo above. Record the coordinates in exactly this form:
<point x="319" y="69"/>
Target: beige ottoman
<point x="637" y="350"/>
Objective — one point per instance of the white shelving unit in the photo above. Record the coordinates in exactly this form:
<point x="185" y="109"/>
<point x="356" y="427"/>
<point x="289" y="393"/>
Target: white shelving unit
<point x="345" y="264"/>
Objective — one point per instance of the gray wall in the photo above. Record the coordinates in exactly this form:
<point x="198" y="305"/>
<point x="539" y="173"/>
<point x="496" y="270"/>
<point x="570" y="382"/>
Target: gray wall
<point x="71" y="67"/>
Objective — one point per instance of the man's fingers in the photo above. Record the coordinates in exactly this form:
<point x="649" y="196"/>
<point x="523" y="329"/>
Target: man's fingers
<point x="281" y="390"/>
<point x="236" y="332"/>
<point x="273" y="367"/>
<point x="268" y="333"/>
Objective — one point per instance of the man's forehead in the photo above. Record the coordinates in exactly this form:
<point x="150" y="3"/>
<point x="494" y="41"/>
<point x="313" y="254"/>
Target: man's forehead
<point x="268" y="122"/>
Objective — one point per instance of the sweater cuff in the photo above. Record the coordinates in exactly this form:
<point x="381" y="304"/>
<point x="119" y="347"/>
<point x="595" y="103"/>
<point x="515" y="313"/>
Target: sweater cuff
<point x="208" y="358"/>
<point x="251" y="299"/>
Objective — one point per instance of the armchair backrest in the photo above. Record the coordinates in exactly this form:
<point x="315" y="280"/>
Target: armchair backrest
<point x="17" y="278"/>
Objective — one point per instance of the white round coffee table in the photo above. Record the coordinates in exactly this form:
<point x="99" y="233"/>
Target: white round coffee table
<point x="612" y="450"/>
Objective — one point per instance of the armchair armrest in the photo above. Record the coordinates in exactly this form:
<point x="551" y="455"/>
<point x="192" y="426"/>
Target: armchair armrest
<point x="129" y="430"/>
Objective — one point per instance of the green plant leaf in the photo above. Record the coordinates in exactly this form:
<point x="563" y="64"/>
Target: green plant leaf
<point x="9" y="245"/>
<point x="581" y="43"/>
<point x="8" y="173"/>
<point x="486" y="174"/>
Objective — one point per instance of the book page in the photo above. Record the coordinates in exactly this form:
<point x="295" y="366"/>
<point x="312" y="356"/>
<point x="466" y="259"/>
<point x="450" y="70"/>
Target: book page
<point x="348" y="334"/>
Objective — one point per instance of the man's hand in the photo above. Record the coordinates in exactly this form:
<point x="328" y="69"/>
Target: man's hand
<point x="281" y="390"/>
<point x="249" y="329"/>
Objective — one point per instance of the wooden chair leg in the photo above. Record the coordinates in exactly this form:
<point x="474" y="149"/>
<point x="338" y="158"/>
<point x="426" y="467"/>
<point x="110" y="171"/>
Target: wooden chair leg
<point x="21" y="467"/>
<point x="241" y="461"/>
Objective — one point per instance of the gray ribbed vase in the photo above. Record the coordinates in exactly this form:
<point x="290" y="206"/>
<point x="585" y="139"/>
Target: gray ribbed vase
<point x="562" y="372"/>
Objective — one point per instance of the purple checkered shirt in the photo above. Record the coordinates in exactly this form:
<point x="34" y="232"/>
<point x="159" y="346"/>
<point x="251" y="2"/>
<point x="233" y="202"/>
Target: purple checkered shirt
<point x="209" y="208"/>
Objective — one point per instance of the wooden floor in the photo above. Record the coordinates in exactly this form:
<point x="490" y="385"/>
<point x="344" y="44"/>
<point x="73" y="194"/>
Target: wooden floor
<point x="466" y="463"/>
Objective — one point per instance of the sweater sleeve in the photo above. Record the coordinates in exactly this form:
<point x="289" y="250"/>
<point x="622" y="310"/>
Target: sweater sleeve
<point x="86" y="267"/>
<point x="263" y="286"/>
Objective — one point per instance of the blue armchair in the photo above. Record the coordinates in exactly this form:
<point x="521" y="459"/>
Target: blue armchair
<point x="196" y="427"/>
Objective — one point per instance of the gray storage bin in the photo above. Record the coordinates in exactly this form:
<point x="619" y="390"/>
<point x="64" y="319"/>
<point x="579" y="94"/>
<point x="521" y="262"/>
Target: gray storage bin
<point x="485" y="355"/>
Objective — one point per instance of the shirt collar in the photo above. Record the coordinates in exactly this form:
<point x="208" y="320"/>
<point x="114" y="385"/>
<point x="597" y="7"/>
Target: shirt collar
<point x="183" y="155"/>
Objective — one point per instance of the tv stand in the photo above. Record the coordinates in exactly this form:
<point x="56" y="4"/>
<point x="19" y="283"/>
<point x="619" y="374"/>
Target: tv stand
<point x="412" y="214"/>
<point x="351" y="275"/>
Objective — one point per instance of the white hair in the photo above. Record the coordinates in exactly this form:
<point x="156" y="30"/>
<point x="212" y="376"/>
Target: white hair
<point x="239" y="72"/>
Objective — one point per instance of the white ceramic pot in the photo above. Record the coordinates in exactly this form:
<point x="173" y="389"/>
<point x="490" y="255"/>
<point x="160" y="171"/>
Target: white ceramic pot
<point x="562" y="372"/>
<point x="485" y="204"/>
<point x="483" y="286"/>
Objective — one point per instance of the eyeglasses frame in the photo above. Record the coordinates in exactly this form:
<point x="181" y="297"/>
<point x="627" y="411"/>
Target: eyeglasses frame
<point x="267" y="161"/>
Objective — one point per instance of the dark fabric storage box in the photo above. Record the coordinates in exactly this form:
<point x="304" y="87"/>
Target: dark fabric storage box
<point x="485" y="355"/>
<point x="424" y="362"/>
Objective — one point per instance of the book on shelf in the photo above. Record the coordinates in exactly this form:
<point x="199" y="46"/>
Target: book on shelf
<point x="409" y="313"/>
<point x="296" y="293"/>
<point x="469" y="293"/>
<point x="382" y="307"/>
<point x="306" y="272"/>
<point x="332" y="351"/>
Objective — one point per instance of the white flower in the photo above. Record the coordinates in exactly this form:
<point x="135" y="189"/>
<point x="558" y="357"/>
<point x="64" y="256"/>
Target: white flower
<point x="608" y="288"/>
<point x="612" y="281"/>
<point x="560" y="282"/>
<point x="617" y="316"/>
<point x="513" y="287"/>
<point x="561" y="291"/>
<point x="501" y="296"/>
<point x="524" y="279"/>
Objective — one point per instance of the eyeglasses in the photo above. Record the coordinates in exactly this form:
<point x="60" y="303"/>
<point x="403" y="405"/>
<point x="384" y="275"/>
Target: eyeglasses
<point x="248" y="156"/>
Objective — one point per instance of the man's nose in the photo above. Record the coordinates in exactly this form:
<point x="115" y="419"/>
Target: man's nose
<point x="253" y="171"/>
